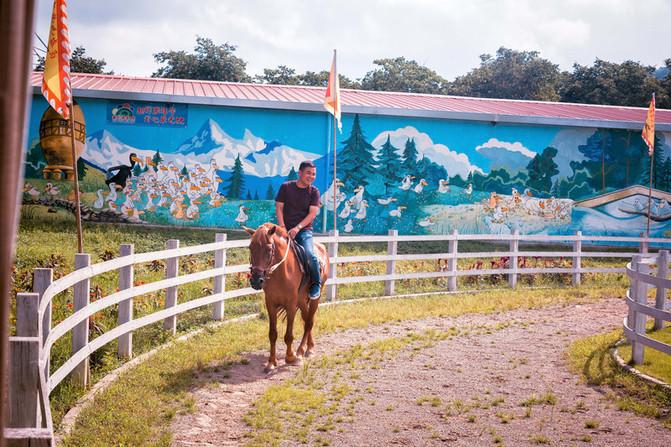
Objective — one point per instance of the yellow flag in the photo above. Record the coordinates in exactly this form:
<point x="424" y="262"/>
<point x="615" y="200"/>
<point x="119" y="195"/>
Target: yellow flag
<point x="649" y="129"/>
<point x="56" y="79"/>
<point x="332" y="98"/>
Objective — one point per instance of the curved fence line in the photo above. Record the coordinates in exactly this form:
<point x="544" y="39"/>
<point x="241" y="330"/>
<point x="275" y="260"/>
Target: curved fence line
<point x="644" y="274"/>
<point x="35" y="336"/>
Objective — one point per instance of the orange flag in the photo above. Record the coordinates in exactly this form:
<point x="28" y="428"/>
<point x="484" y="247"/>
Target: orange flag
<point x="56" y="79"/>
<point x="649" y="129"/>
<point x="332" y="99"/>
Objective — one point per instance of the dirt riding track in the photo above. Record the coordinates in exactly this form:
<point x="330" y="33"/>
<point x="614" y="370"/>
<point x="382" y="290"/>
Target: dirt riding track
<point x="484" y="374"/>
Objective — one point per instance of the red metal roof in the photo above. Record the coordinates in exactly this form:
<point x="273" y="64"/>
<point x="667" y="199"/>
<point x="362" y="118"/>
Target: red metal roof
<point x="361" y="101"/>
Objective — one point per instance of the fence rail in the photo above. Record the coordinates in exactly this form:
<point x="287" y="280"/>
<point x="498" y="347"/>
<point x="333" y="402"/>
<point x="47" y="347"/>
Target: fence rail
<point x="644" y="274"/>
<point x="31" y="385"/>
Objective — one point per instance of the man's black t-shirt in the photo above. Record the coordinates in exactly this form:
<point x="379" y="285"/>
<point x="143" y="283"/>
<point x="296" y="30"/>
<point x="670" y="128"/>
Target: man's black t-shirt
<point x="297" y="202"/>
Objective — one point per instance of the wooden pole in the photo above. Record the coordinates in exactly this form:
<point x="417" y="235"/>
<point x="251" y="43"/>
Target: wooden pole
<point x="17" y="23"/>
<point x="78" y="211"/>
<point x="652" y="156"/>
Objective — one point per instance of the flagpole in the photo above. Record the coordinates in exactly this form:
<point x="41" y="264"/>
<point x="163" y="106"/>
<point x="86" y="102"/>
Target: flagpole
<point x="647" y="233"/>
<point x="78" y="211"/>
<point x="335" y="184"/>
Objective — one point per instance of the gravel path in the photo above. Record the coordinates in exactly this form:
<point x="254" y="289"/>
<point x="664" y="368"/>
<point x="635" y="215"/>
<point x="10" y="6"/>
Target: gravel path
<point x="483" y="378"/>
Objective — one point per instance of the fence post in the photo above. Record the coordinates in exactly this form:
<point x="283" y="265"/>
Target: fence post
<point x="125" y="344"/>
<point x="637" y="319"/>
<point x="80" y="333"/>
<point x="42" y="279"/>
<point x="332" y="289"/>
<point x="24" y="358"/>
<point x="577" y="248"/>
<point x="660" y="298"/>
<point x="514" y="248"/>
<point x="172" y="270"/>
<point x="219" y="280"/>
<point x="392" y="250"/>
<point x="452" y="261"/>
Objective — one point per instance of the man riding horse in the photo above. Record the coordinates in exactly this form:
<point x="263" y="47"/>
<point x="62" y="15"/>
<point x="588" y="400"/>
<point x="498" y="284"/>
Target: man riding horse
<point x="296" y="206"/>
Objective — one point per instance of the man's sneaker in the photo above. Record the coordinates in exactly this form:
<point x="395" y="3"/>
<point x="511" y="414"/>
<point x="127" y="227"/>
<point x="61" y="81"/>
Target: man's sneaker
<point x="315" y="290"/>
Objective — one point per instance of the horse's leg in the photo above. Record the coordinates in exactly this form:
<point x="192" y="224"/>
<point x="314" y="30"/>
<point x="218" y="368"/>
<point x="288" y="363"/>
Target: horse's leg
<point x="289" y="337"/>
<point x="272" y="336"/>
<point x="304" y="315"/>
<point x="309" y="323"/>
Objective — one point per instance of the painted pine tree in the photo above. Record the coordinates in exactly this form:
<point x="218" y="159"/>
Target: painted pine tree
<point x="236" y="181"/>
<point x="657" y="166"/>
<point x="249" y="195"/>
<point x="409" y="163"/>
<point x="355" y="160"/>
<point x="156" y="159"/>
<point x="292" y="175"/>
<point x="389" y="165"/>
<point x="270" y="193"/>
<point x="256" y="195"/>
<point x="184" y="172"/>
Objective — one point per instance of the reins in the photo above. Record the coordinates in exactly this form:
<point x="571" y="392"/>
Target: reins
<point x="272" y="269"/>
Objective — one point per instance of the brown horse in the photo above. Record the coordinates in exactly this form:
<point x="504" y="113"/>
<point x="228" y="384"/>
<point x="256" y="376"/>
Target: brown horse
<point x="276" y="270"/>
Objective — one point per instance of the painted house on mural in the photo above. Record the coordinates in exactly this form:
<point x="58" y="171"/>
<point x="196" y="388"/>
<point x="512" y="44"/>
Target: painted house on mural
<point x="201" y="153"/>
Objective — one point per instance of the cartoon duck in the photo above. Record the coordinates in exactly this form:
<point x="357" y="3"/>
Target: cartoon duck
<point x="177" y="208"/>
<point x="361" y="214"/>
<point x="406" y="183"/>
<point x="386" y="201"/>
<point x="469" y="190"/>
<point x="215" y="200"/>
<point x="443" y="186"/>
<point x="348" y="226"/>
<point x="192" y="212"/>
<point x="358" y="197"/>
<point x="420" y="186"/>
<point x="427" y="222"/>
<point x="52" y="190"/>
<point x="100" y="201"/>
<point x="242" y="217"/>
<point x="346" y="210"/>
<point x="124" y="172"/>
<point x="397" y="211"/>
<point x="33" y="192"/>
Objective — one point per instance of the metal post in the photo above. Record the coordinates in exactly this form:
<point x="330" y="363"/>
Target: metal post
<point x="219" y="280"/>
<point x="125" y="343"/>
<point x="514" y="248"/>
<point x="577" y="260"/>
<point x="332" y="289"/>
<point x="392" y="250"/>
<point x="80" y="333"/>
<point x="644" y="243"/>
<point x="660" y="297"/>
<point x="452" y="261"/>
<point x="172" y="270"/>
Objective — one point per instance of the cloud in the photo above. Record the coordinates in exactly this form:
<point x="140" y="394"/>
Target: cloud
<point x="512" y="147"/>
<point x="454" y="162"/>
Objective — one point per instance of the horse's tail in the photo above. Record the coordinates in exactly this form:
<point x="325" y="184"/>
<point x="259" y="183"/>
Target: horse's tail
<point x="282" y="312"/>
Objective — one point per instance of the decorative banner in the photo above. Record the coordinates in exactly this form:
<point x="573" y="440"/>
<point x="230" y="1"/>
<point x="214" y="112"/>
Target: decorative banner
<point x="147" y="114"/>
<point x="332" y="96"/>
<point x="649" y="129"/>
<point x="56" y="78"/>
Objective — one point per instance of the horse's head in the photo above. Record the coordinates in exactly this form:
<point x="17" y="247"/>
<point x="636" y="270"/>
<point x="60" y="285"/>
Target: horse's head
<point x="262" y="249"/>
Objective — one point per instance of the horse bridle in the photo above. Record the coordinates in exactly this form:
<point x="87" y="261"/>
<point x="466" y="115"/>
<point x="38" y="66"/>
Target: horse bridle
<point x="265" y="273"/>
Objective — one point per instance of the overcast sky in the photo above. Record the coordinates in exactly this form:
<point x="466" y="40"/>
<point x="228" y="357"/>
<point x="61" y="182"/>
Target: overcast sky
<point x="445" y="35"/>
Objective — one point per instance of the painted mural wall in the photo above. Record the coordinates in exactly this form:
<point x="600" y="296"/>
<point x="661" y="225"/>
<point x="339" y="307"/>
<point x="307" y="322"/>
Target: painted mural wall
<point x="181" y="164"/>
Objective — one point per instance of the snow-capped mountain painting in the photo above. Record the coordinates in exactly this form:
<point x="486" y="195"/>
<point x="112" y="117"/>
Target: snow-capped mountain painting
<point x="514" y="157"/>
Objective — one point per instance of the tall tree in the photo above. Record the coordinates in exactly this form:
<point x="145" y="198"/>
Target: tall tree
<point x="625" y="84"/>
<point x="355" y="160"/>
<point x="409" y="164"/>
<point x="209" y="62"/>
<point x="270" y="193"/>
<point x="401" y="75"/>
<point x="292" y="175"/>
<point x="510" y="74"/>
<point x="282" y="75"/>
<point x="541" y="170"/>
<point x="598" y="158"/>
<point x="236" y="181"/>
<point x="389" y="165"/>
<point x="80" y="63"/>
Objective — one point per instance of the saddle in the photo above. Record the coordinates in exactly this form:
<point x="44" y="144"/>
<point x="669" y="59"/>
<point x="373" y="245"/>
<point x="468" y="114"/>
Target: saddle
<point x="303" y="263"/>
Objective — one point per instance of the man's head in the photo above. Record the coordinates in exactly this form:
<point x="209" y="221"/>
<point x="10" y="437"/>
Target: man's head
<point x="307" y="172"/>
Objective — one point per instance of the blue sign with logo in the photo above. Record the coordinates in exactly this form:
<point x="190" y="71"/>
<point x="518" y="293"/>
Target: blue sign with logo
<point x="147" y="113"/>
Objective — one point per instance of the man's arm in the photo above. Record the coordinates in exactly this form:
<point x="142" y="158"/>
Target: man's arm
<point x="279" y="213"/>
<point x="306" y="220"/>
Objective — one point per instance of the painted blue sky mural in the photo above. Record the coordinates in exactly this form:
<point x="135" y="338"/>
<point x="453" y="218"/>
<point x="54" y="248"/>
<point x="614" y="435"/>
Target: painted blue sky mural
<point x="221" y="166"/>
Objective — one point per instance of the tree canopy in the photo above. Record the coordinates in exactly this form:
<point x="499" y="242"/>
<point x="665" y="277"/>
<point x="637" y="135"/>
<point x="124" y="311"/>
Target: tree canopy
<point x="80" y="63"/>
<point x="401" y="75"/>
<point x="208" y="62"/>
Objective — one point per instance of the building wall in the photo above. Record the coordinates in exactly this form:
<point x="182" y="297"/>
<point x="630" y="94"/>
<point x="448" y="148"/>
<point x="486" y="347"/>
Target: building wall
<point x="416" y="175"/>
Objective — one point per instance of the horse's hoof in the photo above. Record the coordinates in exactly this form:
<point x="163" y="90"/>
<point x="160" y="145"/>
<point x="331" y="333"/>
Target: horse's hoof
<point x="309" y="353"/>
<point x="269" y="368"/>
<point x="293" y="360"/>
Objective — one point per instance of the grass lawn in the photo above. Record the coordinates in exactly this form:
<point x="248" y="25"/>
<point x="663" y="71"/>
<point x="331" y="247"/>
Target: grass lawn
<point x="655" y="363"/>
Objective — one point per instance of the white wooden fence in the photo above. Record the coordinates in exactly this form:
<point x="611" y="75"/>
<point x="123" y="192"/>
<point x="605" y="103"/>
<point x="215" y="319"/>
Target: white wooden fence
<point x="644" y="274"/>
<point x="31" y="382"/>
